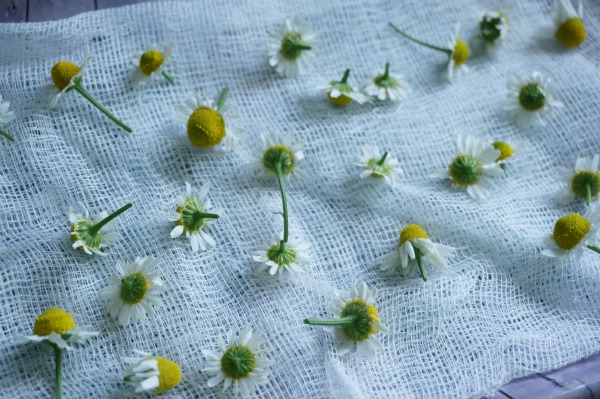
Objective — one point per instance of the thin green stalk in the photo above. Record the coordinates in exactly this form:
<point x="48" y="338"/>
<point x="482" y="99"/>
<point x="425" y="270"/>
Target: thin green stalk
<point x="594" y="248"/>
<point x="96" y="228"/>
<point x="588" y="196"/>
<point x="222" y="99"/>
<point x="431" y="46"/>
<point x="58" y="363"/>
<point x="386" y="74"/>
<point x="420" y="263"/>
<point x="203" y="215"/>
<point x="284" y="203"/>
<point x="503" y="167"/>
<point x="168" y="77"/>
<point x="302" y="47"/>
<point x="330" y="322"/>
<point x="81" y="90"/>
<point x="345" y="77"/>
<point x="382" y="160"/>
<point x="8" y="136"/>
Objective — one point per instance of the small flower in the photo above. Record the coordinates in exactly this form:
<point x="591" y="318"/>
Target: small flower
<point x="134" y="292"/>
<point x="583" y="183"/>
<point x="283" y="152"/>
<point x="206" y="123"/>
<point x="385" y="86"/>
<point x="278" y="256"/>
<point x="358" y="321"/>
<point x="378" y="166"/>
<point x="238" y="362"/>
<point x="530" y="100"/>
<point x="288" y="47"/>
<point x="506" y="152"/>
<point x="193" y="216"/>
<point x="341" y="93"/>
<point x="5" y="116"/>
<point x="493" y="28"/>
<point x="150" y="64"/>
<point x="473" y="166"/>
<point x="91" y="236"/>
<point x="570" y="30"/>
<point x="573" y="233"/>
<point x="150" y="373"/>
<point x="414" y="249"/>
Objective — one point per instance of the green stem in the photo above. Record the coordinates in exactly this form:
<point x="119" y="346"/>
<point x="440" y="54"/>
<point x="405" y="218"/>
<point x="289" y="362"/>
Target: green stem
<point x="588" y="196"/>
<point x="386" y="74"/>
<point x="203" y="215"/>
<point x="382" y="160"/>
<point x="345" y="77"/>
<point x="284" y="202"/>
<point x="168" y="77"/>
<point x="79" y="88"/>
<point x="330" y="322"/>
<point x="8" y="136"/>
<point x="431" y="46"/>
<point x="301" y="46"/>
<point x="594" y="248"/>
<point x="503" y="167"/>
<point x="58" y="363"/>
<point x="420" y="263"/>
<point x="222" y="99"/>
<point x="96" y="228"/>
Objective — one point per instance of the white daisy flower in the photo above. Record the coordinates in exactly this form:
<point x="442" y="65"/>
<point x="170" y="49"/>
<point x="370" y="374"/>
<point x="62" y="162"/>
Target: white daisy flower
<point x="530" y="100"/>
<point x="288" y="47"/>
<point x="568" y="23"/>
<point x="193" y="216"/>
<point x="238" y="362"/>
<point x="415" y="250"/>
<point x="207" y="124"/>
<point x="473" y="166"/>
<point x="493" y="27"/>
<point x="5" y="116"/>
<point x="278" y="256"/>
<point x="275" y="151"/>
<point x="91" y="236"/>
<point x="64" y="75"/>
<point x="340" y="92"/>
<point x="134" y="292"/>
<point x="378" y="165"/>
<point x="573" y="233"/>
<point x="358" y="321"/>
<point x="583" y="183"/>
<point x="150" y="373"/>
<point x="150" y="64"/>
<point x="383" y="85"/>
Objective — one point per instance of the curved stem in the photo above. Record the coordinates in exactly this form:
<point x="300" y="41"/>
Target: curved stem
<point x="594" y="248"/>
<point x="222" y="99"/>
<point x="58" y="375"/>
<point x="8" y="136"/>
<point x="330" y="322"/>
<point x="345" y="77"/>
<point x="79" y="88"/>
<point x="431" y="46"/>
<point x="283" y="201"/>
<point x="96" y="228"/>
<point x="382" y="160"/>
<point x="420" y="263"/>
<point x="588" y="196"/>
<point x="168" y="77"/>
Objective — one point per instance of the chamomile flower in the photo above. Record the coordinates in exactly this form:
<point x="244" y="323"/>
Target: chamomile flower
<point x="572" y="234"/>
<point x="507" y="151"/>
<point x="277" y="257"/>
<point x="378" y="165"/>
<point x="384" y="85"/>
<point x="415" y="250"/>
<point x="149" y="65"/>
<point x="289" y="47"/>
<point x="283" y="151"/>
<point x="5" y="116"/>
<point x="134" y="292"/>
<point x="91" y="236"/>
<point x="340" y="93"/>
<point x="238" y="362"/>
<point x="529" y="100"/>
<point x="570" y="30"/>
<point x="207" y="124"/>
<point x="149" y="373"/>
<point x="493" y="28"/>
<point x="193" y="216"/>
<point x="583" y="183"/>
<point x="358" y="321"/>
<point x="473" y="166"/>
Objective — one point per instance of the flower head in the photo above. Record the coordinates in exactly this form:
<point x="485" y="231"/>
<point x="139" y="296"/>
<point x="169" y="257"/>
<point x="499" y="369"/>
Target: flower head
<point x="284" y="152"/>
<point x="91" y="236"/>
<point x="415" y="250"/>
<point x="278" y="256"/>
<point x="572" y="234"/>
<point x="493" y="28"/>
<point x="5" y="116"/>
<point x="530" y="99"/>
<point x="289" y="47"/>
<point x="340" y="93"/>
<point x="134" y="292"/>
<point x="150" y="373"/>
<point x="384" y="85"/>
<point x="64" y="74"/>
<point x="238" y="362"/>
<point x="150" y="64"/>
<point x="378" y="165"/>
<point x="568" y="23"/>
<point x="582" y="183"/>
<point x="473" y="166"/>
<point x="193" y="216"/>
<point x="458" y="57"/>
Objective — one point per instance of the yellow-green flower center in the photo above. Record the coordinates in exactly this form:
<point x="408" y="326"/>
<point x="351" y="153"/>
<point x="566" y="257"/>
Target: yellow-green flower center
<point x="364" y="316"/>
<point x="465" y="170"/>
<point x="206" y="127"/>
<point x="192" y="217"/>
<point x="506" y="151"/>
<point x="570" y="230"/>
<point x="170" y="374"/>
<point x="81" y="231"/>
<point x="133" y="288"/>
<point x="571" y="33"/>
<point x="279" y="154"/>
<point x="238" y="362"/>
<point x="531" y="97"/>
<point x="341" y="100"/>
<point x="150" y="61"/>
<point x="461" y="53"/>
<point x="282" y="256"/>
<point x="53" y="320"/>
<point x="412" y="232"/>
<point x="583" y="181"/>
<point x="62" y="73"/>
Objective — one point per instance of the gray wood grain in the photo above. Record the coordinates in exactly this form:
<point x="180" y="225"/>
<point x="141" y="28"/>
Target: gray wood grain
<point x="51" y="10"/>
<point x="13" y="10"/>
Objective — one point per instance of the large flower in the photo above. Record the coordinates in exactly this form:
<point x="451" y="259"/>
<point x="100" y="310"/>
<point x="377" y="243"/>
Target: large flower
<point x="378" y="165"/>
<point x="288" y="47"/>
<point x="150" y="373"/>
<point x="64" y="75"/>
<point x="5" y="116"/>
<point x="278" y="257"/>
<point x="91" y="236"/>
<point x="284" y="151"/>
<point x="340" y="92"/>
<point x="572" y="234"/>
<point x="383" y="85"/>
<point x="150" y="64"/>
<point x="238" y="362"/>
<point x="583" y="183"/>
<point x="570" y="30"/>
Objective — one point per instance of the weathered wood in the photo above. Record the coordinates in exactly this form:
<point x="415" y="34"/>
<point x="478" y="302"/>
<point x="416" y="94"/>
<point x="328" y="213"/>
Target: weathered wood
<point x="13" y="10"/>
<point x="50" y="10"/>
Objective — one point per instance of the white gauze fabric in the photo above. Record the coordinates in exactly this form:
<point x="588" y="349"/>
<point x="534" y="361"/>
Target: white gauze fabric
<point x="500" y="310"/>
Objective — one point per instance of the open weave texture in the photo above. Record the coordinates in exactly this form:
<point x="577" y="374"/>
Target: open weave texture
<point x="501" y="309"/>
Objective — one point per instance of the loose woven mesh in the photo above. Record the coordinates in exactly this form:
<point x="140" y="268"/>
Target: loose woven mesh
<point x="500" y="310"/>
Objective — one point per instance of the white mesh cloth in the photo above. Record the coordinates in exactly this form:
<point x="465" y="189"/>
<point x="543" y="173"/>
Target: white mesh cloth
<point x="500" y="310"/>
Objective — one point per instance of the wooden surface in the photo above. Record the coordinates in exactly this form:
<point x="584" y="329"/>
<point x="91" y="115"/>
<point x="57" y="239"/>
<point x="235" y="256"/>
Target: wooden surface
<point x="580" y="380"/>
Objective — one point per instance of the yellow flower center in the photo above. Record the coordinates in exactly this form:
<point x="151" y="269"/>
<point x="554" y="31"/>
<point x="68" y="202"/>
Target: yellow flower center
<point x="461" y="53"/>
<point x="62" y="73"/>
<point x="506" y="151"/>
<point x="412" y="232"/>
<point x="170" y="374"/>
<point x="206" y="127"/>
<point x="569" y="230"/>
<point x="53" y="320"/>
<point x="150" y="61"/>
<point x="373" y="316"/>
<point x="341" y="101"/>
<point x="571" y="33"/>
<point x="363" y="318"/>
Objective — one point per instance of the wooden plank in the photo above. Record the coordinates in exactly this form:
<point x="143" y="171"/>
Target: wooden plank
<point x="102" y="4"/>
<point x="51" y="10"/>
<point x="13" y="10"/>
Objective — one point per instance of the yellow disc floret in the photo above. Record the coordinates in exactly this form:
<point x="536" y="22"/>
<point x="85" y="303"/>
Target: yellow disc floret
<point x="169" y="374"/>
<point x="341" y="100"/>
<point x="206" y="127"/>
<point x="506" y="151"/>
<point x="150" y="61"/>
<point x="373" y="317"/>
<point x="53" y="320"/>
<point x="570" y="230"/>
<point x="461" y="53"/>
<point x="62" y="73"/>
<point x="412" y="232"/>
<point x="571" y="33"/>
